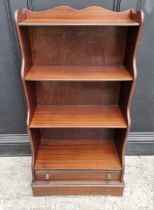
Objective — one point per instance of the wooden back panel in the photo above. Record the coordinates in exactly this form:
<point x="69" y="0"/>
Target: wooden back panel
<point x="77" y="133"/>
<point x="76" y="93"/>
<point x="77" y="45"/>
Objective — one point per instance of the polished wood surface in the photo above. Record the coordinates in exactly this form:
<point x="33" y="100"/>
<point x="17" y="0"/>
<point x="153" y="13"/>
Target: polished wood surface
<point x="78" y="116"/>
<point x="64" y="15"/>
<point x="78" y="175"/>
<point x="42" y="188"/>
<point x="77" y="133"/>
<point x="77" y="154"/>
<point x="77" y="93"/>
<point x="90" y="46"/>
<point x="65" y="22"/>
<point x="78" y="73"/>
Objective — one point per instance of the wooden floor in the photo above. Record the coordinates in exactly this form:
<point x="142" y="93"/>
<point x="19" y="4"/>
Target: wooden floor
<point x="104" y="116"/>
<point x="77" y="154"/>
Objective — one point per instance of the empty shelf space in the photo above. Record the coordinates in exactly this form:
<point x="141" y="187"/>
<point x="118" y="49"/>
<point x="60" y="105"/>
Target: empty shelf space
<point x="77" y="154"/>
<point x="103" y="116"/>
<point x="76" y="22"/>
<point x="78" y="73"/>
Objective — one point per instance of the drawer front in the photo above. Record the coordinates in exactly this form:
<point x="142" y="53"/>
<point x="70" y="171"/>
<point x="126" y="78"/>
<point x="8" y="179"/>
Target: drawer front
<point x="61" y="175"/>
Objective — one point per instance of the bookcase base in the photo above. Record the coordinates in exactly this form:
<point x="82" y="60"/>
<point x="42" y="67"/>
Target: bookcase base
<point x="41" y="188"/>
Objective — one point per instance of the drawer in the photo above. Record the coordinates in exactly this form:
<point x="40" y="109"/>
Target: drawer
<point x="77" y="175"/>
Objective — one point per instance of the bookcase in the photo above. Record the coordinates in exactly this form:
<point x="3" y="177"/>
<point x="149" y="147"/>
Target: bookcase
<point x="78" y="73"/>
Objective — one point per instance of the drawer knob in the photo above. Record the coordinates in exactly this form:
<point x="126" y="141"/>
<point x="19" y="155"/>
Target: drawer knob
<point x="47" y="176"/>
<point x="108" y="176"/>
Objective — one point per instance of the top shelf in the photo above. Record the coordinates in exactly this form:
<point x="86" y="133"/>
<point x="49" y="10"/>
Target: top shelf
<point x="74" y="22"/>
<point x="90" y="16"/>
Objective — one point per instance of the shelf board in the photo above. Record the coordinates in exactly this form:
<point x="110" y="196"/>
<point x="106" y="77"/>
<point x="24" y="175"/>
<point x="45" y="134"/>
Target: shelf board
<point x="78" y="73"/>
<point x="78" y="116"/>
<point x="76" y="22"/>
<point x="77" y="154"/>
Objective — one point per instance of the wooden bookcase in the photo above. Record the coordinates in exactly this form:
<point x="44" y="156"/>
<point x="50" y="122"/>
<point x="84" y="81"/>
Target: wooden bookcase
<point x="78" y="73"/>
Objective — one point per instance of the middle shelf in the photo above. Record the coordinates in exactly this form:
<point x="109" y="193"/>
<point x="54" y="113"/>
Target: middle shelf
<point x="86" y="116"/>
<point x="78" y="73"/>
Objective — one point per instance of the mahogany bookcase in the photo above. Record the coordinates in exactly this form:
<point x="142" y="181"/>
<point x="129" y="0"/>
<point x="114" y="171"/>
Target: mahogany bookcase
<point x="78" y="73"/>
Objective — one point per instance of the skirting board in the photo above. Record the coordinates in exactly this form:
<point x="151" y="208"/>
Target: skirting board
<point x="139" y="143"/>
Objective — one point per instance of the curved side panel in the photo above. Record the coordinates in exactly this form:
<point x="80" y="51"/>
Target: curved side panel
<point x="134" y="35"/>
<point x="29" y="88"/>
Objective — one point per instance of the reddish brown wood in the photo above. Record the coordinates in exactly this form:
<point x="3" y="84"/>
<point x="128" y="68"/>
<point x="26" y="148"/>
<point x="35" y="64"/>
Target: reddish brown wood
<point x="78" y="76"/>
<point x="78" y="175"/>
<point x="77" y="133"/>
<point x="29" y="89"/>
<point x="88" y="46"/>
<point x="77" y="188"/>
<point x="127" y="93"/>
<point x="65" y="22"/>
<point x="78" y="154"/>
<point x="94" y="116"/>
<point x="65" y="15"/>
<point x="86" y="93"/>
<point x="78" y="73"/>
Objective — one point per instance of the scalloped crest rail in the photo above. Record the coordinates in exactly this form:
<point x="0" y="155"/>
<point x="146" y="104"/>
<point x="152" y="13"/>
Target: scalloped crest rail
<point x="78" y="73"/>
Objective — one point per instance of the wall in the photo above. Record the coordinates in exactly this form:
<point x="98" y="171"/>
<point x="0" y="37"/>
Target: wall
<point x="12" y="106"/>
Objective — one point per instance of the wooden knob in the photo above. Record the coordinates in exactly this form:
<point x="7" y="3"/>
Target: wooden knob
<point x="108" y="176"/>
<point x="47" y="176"/>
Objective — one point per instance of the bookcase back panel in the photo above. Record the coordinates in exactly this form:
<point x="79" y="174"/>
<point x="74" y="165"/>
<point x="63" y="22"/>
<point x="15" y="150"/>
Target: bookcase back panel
<point x="76" y="93"/>
<point x="77" y="45"/>
<point x="77" y="133"/>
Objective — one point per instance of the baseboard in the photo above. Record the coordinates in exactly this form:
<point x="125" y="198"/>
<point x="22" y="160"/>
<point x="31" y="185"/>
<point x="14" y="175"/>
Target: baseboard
<point x="139" y="143"/>
<point x="14" y="145"/>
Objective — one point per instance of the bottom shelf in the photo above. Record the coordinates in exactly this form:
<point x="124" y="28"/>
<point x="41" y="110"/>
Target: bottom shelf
<point x="87" y="154"/>
<point x="77" y="167"/>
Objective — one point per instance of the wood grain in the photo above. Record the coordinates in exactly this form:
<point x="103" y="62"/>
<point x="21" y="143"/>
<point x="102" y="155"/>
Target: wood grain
<point x="64" y="15"/>
<point x="77" y="133"/>
<point x="77" y="154"/>
<point x="65" y="22"/>
<point x="78" y="73"/>
<point x="78" y="175"/>
<point x="78" y="116"/>
<point x="65" y="45"/>
<point x="77" y="93"/>
<point x="42" y="188"/>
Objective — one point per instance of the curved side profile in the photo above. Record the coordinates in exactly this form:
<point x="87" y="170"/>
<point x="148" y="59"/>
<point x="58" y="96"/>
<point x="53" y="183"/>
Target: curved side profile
<point x="29" y="89"/>
<point x="78" y="73"/>
<point x="127" y="96"/>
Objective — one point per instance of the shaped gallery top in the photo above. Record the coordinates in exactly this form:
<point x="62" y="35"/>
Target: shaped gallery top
<point x="67" y="16"/>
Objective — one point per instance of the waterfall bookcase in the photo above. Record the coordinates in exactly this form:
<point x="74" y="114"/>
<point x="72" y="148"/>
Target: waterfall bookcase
<point x="78" y="73"/>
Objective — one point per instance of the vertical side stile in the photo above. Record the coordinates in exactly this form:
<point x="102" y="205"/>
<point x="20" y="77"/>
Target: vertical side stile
<point x="131" y="66"/>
